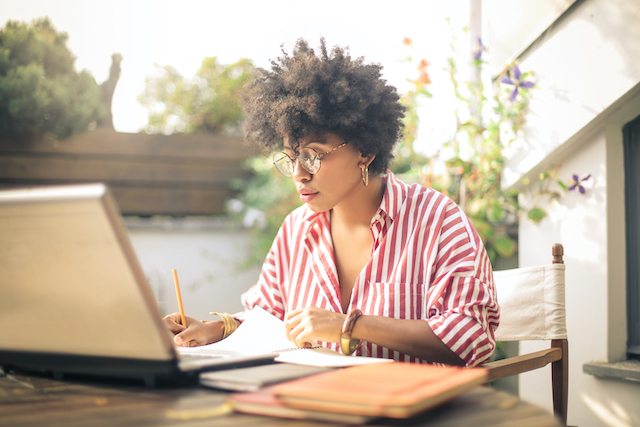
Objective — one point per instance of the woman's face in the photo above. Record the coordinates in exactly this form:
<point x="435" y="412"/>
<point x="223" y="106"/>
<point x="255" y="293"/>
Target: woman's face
<point x="339" y="174"/>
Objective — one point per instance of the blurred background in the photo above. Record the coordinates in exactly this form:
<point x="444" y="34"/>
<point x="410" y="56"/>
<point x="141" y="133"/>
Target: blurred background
<point x="158" y="46"/>
<point x="525" y="112"/>
<point x="157" y="33"/>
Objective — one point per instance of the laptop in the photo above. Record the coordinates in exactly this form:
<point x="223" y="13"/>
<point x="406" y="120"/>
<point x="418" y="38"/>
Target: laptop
<point x="74" y="300"/>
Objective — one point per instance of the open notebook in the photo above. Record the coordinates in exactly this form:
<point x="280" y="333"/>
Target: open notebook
<point x="74" y="299"/>
<point x="260" y="333"/>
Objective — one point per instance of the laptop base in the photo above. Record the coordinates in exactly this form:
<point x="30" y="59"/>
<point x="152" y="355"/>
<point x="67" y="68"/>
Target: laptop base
<point x="150" y="373"/>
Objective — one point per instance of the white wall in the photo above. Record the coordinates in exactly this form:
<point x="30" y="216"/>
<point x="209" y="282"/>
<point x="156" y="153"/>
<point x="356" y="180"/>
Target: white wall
<point x="591" y="228"/>
<point x="588" y="88"/>
<point x="578" y="222"/>
<point x="583" y="65"/>
<point x="208" y="256"/>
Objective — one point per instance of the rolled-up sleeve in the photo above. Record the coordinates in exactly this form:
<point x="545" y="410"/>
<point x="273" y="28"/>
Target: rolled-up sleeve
<point x="463" y="308"/>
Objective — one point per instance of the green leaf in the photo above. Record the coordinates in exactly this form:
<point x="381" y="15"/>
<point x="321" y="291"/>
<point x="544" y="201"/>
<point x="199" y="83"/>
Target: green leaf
<point x="491" y="252"/>
<point x="536" y="214"/>
<point x="563" y="185"/>
<point x="484" y="229"/>
<point x="495" y="213"/>
<point x="504" y="246"/>
<point x="40" y="92"/>
<point x="475" y="207"/>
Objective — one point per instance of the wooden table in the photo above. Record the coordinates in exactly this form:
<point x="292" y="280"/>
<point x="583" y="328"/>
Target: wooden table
<point x="38" y="401"/>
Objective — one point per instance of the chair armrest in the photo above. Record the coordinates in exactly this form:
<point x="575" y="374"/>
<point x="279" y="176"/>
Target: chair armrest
<point x="523" y="363"/>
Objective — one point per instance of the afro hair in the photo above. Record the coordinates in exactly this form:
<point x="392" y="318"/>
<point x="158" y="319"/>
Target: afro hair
<point x="305" y="94"/>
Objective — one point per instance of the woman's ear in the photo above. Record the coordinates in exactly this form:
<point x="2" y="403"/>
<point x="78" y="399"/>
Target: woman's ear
<point x="365" y="161"/>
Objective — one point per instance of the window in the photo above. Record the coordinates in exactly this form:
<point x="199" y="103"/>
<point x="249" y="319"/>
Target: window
<point x="631" y="132"/>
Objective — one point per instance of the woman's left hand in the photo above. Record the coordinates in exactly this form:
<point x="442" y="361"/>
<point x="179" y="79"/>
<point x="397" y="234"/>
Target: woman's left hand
<point x="305" y="325"/>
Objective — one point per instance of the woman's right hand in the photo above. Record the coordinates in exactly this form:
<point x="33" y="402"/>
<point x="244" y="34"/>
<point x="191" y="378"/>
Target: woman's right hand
<point x="196" y="333"/>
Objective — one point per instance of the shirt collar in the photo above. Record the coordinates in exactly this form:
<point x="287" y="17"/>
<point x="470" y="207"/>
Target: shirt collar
<point x="392" y="199"/>
<point x="394" y="195"/>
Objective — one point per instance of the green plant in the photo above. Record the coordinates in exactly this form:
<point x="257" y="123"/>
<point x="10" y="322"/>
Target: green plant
<point x="41" y="94"/>
<point x="469" y="166"/>
<point x="262" y="204"/>
<point x="208" y="102"/>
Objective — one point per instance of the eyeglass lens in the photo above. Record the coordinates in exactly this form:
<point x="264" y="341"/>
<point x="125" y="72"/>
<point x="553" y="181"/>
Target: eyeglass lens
<point x="307" y="157"/>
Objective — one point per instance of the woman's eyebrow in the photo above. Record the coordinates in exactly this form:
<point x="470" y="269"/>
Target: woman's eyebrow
<point x="322" y="141"/>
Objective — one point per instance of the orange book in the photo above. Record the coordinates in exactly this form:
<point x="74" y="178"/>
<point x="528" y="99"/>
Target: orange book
<point x="264" y="402"/>
<point x="396" y="390"/>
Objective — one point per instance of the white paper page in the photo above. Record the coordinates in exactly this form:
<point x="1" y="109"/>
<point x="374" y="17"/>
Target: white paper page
<point x="260" y="332"/>
<point x="325" y="357"/>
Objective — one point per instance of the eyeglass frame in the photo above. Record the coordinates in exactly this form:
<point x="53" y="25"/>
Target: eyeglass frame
<point x="319" y="157"/>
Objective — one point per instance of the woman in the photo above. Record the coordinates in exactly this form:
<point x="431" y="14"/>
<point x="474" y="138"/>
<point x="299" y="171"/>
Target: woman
<point x="367" y="259"/>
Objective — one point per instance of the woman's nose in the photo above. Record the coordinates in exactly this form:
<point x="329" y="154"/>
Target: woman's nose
<point x="299" y="173"/>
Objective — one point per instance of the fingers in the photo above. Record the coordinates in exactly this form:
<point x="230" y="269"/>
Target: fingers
<point x="304" y="326"/>
<point x="307" y="325"/>
<point x="291" y="320"/>
<point x="199" y="333"/>
<point x="182" y="340"/>
<point x="298" y="328"/>
<point x="172" y="322"/>
<point x="301" y="336"/>
<point x="190" y="336"/>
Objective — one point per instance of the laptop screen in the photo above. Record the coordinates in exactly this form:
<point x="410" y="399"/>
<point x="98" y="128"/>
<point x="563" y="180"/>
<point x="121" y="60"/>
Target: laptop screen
<point x="70" y="282"/>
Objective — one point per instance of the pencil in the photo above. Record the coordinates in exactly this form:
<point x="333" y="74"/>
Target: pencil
<point x="175" y="281"/>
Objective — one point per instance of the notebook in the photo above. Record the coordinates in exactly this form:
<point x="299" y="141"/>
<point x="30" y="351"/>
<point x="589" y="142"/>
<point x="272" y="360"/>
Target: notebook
<point x="261" y="332"/>
<point x="264" y="402"/>
<point x="396" y="390"/>
<point x="74" y="299"/>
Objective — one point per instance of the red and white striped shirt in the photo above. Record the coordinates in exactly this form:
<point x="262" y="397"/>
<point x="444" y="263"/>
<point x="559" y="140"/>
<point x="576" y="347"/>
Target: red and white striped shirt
<point x="428" y="262"/>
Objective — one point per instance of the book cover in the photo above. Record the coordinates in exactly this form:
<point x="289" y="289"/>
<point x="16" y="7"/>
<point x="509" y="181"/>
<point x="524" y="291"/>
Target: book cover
<point x="252" y="378"/>
<point x="264" y="402"/>
<point x="396" y="390"/>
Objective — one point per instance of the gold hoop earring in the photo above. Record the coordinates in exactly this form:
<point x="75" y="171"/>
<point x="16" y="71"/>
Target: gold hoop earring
<point x="365" y="175"/>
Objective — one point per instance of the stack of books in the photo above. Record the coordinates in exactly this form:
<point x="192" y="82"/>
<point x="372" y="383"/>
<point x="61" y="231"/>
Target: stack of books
<point x="358" y="394"/>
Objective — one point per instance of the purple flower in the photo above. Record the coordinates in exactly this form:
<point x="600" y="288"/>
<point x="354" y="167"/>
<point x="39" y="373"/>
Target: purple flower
<point x="516" y="81"/>
<point x="577" y="183"/>
<point x="478" y="54"/>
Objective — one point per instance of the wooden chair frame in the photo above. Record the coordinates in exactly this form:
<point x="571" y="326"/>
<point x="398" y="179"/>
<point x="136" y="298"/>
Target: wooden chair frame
<point x="557" y="355"/>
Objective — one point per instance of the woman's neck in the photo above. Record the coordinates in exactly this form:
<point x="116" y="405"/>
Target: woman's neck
<point x="359" y="209"/>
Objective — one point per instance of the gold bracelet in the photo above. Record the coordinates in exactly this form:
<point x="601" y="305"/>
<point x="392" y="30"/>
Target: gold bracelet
<point x="347" y="344"/>
<point x="228" y="322"/>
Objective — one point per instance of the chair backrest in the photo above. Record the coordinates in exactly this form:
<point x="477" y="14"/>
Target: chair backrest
<point x="532" y="303"/>
<point x="532" y="307"/>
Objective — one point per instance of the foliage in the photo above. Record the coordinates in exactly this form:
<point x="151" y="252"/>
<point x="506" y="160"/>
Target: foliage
<point x="408" y="159"/>
<point x="209" y="102"/>
<point x="41" y="94"/>
<point x="469" y="166"/>
<point x="263" y="202"/>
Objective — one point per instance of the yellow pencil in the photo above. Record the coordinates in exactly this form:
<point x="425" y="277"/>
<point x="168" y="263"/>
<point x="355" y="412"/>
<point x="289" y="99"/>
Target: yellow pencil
<point x="175" y="281"/>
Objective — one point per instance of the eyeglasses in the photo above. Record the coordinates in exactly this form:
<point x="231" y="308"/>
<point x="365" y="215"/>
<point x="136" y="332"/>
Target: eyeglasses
<point x="308" y="157"/>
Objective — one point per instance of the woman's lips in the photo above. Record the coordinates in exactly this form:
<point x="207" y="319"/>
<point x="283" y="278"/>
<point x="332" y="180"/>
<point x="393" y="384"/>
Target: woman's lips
<point x="306" y="195"/>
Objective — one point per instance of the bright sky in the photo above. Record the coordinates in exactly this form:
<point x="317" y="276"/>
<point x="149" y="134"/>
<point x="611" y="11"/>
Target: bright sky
<point x="182" y="33"/>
